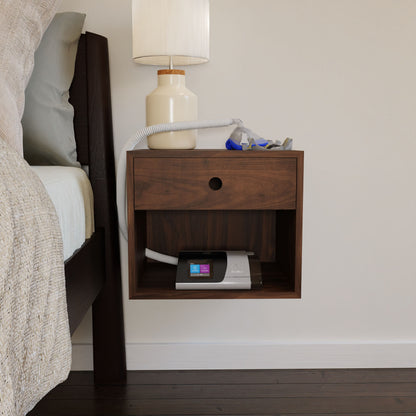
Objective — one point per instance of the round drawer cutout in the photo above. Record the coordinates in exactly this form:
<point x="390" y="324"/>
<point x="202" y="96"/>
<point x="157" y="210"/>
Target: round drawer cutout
<point x="215" y="183"/>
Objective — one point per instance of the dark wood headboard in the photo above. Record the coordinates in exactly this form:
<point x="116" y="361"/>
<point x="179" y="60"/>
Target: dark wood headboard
<point x="91" y="99"/>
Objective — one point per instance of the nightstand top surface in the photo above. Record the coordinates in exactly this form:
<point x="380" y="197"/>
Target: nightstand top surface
<point x="213" y="153"/>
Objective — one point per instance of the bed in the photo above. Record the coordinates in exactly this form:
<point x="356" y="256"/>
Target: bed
<point x="92" y="268"/>
<point x="91" y="276"/>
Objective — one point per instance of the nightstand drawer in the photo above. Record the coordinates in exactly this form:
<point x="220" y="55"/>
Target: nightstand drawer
<point x="199" y="183"/>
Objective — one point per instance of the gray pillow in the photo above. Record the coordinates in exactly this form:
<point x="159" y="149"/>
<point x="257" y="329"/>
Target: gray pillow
<point x="48" y="130"/>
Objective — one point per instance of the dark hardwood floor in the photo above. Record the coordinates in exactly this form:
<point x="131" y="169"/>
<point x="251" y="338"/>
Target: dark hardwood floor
<point x="364" y="392"/>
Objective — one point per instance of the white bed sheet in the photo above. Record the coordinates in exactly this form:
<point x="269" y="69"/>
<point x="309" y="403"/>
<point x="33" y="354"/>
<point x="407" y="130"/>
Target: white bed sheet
<point x="71" y="193"/>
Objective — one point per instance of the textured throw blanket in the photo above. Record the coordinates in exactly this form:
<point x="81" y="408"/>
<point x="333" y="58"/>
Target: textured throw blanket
<point x="35" y="348"/>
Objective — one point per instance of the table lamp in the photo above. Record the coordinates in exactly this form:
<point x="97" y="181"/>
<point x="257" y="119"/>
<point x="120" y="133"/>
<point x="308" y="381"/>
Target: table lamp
<point x="171" y="33"/>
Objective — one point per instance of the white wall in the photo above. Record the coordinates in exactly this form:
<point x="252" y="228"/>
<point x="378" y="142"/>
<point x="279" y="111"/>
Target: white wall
<point x="339" y="77"/>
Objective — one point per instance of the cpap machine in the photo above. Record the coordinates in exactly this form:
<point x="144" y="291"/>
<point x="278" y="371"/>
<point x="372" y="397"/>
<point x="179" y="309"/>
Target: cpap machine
<point x="208" y="270"/>
<point x="213" y="270"/>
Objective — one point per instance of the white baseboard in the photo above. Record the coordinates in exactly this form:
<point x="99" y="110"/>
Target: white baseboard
<point x="171" y="356"/>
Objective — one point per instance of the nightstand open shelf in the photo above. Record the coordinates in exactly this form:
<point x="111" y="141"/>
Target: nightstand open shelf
<point x="172" y="207"/>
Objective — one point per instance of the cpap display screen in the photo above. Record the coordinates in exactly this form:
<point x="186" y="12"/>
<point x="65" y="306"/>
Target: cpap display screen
<point x="197" y="269"/>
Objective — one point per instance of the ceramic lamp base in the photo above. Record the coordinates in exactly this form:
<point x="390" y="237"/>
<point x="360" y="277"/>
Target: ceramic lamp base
<point x="171" y="101"/>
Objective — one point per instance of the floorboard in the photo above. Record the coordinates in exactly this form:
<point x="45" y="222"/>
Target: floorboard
<point x="361" y="392"/>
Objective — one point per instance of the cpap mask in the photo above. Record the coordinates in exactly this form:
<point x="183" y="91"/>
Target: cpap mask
<point x="243" y="138"/>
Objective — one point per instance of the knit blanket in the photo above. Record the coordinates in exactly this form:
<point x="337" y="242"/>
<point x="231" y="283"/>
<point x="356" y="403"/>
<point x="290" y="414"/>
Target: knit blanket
<point x="35" y="347"/>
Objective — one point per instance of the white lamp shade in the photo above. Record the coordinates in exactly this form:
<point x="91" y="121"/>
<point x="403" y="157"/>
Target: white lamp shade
<point x="170" y="28"/>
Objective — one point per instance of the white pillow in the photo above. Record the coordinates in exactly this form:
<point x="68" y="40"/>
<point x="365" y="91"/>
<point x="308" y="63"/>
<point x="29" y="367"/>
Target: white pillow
<point x="48" y="119"/>
<point x="22" y="24"/>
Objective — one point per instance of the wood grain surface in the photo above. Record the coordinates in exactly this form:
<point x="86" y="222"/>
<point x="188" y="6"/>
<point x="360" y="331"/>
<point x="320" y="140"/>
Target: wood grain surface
<point x="215" y="200"/>
<point x="352" y="392"/>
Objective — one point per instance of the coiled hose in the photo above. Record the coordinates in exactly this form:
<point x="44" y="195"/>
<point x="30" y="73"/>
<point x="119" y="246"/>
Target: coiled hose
<point x="139" y="137"/>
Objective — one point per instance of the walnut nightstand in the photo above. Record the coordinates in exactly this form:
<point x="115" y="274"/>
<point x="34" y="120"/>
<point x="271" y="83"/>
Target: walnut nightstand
<point x="215" y="200"/>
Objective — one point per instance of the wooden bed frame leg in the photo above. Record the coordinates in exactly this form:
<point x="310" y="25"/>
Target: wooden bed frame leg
<point x="108" y="335"/>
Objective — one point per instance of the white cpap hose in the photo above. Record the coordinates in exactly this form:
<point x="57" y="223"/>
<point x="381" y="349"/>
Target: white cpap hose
<point x="164" y="258"/>
<point x="141" y="135"/>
